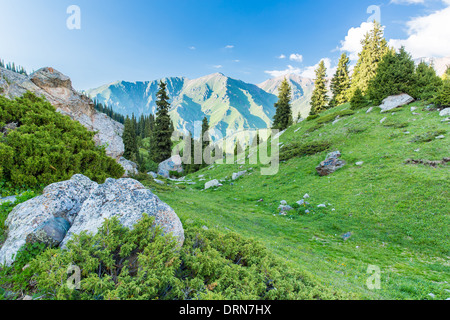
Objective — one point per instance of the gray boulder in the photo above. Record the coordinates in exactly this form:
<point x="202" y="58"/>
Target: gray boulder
<point x="153" y="175"/>
<point x="445" y="112"/>
<point x="393" y="102"/>
<point x="174" y="163"/>
<point x="129" y="166"/>
<point x="331" y="164"/>
<point x="212" y="184"/>
<point x="83" y="205"/>
<point x="164" y="173"/>
<point x="239" y="174"/>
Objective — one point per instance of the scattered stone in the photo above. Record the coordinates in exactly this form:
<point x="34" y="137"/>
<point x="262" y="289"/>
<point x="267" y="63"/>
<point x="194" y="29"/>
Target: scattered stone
<point x="238" y="175"/>
<point x="393" y="102"/>
<point x="307" y="211"/>
<point x="11" y="199"/>
<point x="370" y="110"/>
<point x="383" y="120"/>
<point x="347" y="236"/>
<point x="164" y="173"/>
<point x="153" y="175"/>
<point x="331" y="164"/>
<point x="84" y="204"/>
<point x="201" y="176"/>
<point x="446" y="120"/>
<point x="159" y="182"/>
<point x="283" y="202"/>
<point x="321" y="206"/>
<point x="174" y="163"/>
<point x="440" y="137"/>
<point x="445" y="112"/>
<point x="360" y="163"/>
<point x="27" y="298"/>
<point x="261" y="200"/>
<point x="417" y="150"/>
<point x="306" y="196"/>
<point x="432" y="295"/>
<point x="212" y="184"/>
<point x="205" y="228"/>
<point x="302" y="202"/>
<point x="413" y="109"/>
<point x="284" y="208"/>
<point x="416" y="114"/>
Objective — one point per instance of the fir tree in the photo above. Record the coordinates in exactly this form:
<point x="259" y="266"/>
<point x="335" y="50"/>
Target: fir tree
<point x="319" y="97"/>
<point x="341" y="82"/>
<point x="162" y="135"/>
<point x="428" y="83"/>
<point x="443" y="96"/>
<point x="358" y="101"/>
<point x="395" y="75"/>
<point x="129" y="140"/>
<point x="374" y="49"/>
<point x="283" y="115"/>
<point x="205" y="141"/>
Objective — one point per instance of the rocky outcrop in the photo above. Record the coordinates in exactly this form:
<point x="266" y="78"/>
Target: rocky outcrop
<point x="445" y="112"/>
<point x="393" y="102"/>
<point x="331" y="164"/>
<point x="57" y="89"/>
<point x="129" y="166"/>
<point x="67" y="208"/>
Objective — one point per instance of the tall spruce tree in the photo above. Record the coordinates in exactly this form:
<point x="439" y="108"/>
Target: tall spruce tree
<point x="162" y="134"/>
<point x="205" y="140"/>
<point x="395" y="75"/>
<point x="283" y="115"/>
<point x="319" y="97"/>
<point x="129" y="140"/>
<point x="428" y="82"/>
<point x="340" y="83"/>
<point x="375" y="47"/>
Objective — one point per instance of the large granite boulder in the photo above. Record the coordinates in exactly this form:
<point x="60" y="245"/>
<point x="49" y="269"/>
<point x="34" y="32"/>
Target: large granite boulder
<point x="57" y="89"/>
<point x="79" y="204"/>
<point x="331" y="164"/>
<point x="393" y="102"/>
<point x="129" y="166"/>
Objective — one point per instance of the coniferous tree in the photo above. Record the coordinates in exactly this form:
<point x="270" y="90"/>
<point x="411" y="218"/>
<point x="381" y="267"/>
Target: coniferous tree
<point x="340" y="83"/>
<point x="428" y="83"/>
<point x="395" y="75"/>
<point x="319" y="97"/>
<point x="446" y="75"/>
<point x="375" y="47"/>
<point x="283" y="115"/>
<point x="205" y="141"/>
<point x="162" y="135"/>
<point x="358" y="100"/>
<point x="443" y="96"/>
<point x="129" y="140"/>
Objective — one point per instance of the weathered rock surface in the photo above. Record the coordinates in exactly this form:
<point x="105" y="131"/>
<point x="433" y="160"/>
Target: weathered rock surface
<point x="129" y="167"/>
<point x="174" y="163"/>
<point x="57" y="89"/>
<point x="331" y="164"/>
<point x="83" y="205"/>
<point x="393" y="102"/>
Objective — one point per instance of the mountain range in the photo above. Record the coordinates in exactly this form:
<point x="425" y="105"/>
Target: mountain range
<point x="230" y="105"/>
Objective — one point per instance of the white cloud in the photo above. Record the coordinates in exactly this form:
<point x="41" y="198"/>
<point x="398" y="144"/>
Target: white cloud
<point x="428" y="36"/>
<point x="352" y="43"/>
<point x="279" y="73"/>
<point x="408" y="1"/>
<point x="219" y="66"/>
<point x="282" y="56"/>
<point x="308" y="72"/>
<point x="229" y="46"/>
<point x="296" y="57"/>
<point x="192" y="48"/>
<point x="237" y="61"/>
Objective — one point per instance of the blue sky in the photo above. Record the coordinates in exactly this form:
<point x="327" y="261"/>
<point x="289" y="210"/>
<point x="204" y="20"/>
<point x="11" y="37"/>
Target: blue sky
<point x="145" y="40"/>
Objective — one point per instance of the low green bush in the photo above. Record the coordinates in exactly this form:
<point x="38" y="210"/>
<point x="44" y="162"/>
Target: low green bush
<point x="301" y="150"/>
<point x="144" y="264"/>
<point x="47" y="146"/>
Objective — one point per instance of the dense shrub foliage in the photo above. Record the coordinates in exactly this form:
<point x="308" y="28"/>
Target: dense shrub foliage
<point x="118" y="263"/>
<point x="46" y="146"/>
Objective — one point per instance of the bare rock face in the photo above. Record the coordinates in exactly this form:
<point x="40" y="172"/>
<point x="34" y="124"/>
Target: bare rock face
<point x="57" y="89"/>
<point x="393" y="102"/>
<point x="67" y="208"/>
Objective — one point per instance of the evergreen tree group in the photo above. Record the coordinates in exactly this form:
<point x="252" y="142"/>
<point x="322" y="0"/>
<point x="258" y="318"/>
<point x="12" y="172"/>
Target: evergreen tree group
<point x="12" y="67"/>
<point x="340" y="83"/>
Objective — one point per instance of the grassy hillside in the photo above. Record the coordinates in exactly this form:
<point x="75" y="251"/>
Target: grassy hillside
<point x="398" y="213"/>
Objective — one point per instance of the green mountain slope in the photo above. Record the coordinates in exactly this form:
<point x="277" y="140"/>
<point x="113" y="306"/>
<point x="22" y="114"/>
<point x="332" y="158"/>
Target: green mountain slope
<point x="397" y="213"/>
<point x="229" y="104"/>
